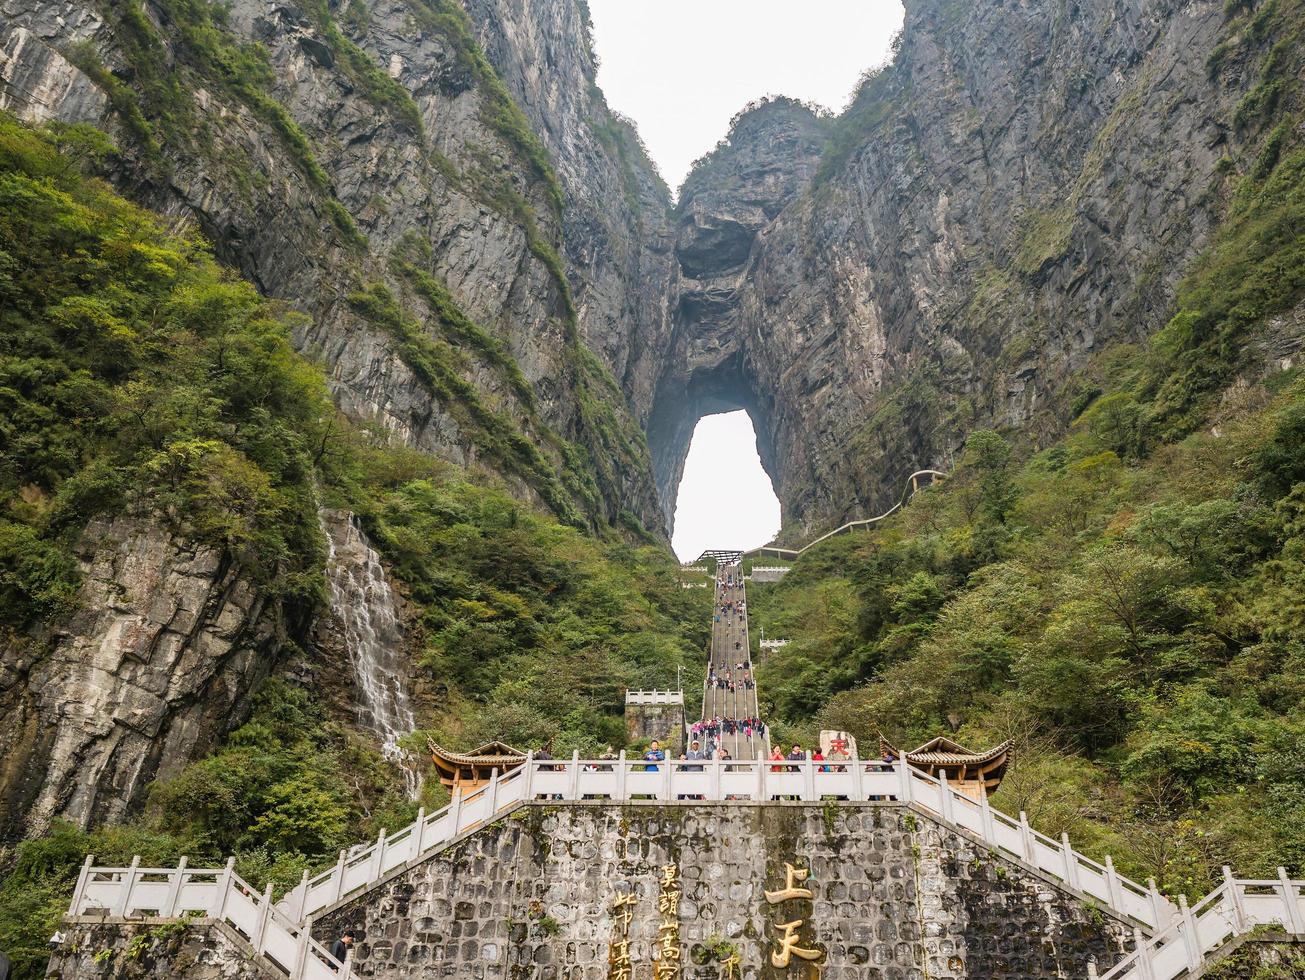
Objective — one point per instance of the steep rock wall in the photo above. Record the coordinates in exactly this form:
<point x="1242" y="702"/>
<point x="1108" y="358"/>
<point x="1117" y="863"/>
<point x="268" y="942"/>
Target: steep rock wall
<point x="392" y="210"/>
<point x="156" y="665"/>
<point x="370" y="135"/>
<point x="617" y="233"/>
<point x="1023" y="186"/>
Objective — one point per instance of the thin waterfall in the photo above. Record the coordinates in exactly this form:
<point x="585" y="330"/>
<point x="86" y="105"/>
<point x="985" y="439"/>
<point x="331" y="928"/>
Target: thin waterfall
<point x="363" y="604"/>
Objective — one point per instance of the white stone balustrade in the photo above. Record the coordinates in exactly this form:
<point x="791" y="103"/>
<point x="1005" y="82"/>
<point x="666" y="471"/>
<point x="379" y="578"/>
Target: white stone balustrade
<point x="221" y="894"/>
<point x="1235" y="908"/>
<point x="1181" y="937"/>
<point x="173" y="893"/>
<point x="654" y="697"/>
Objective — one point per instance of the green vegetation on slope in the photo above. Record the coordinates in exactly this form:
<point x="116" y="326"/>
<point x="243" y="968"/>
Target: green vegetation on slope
<point x="530" y="630"/>
<point x="203" y="43"/>
<point x="289" y="788"/>
<point x="137" y="374"/>
<point x="1135" y="625"/>
<point x="139" y="377"/>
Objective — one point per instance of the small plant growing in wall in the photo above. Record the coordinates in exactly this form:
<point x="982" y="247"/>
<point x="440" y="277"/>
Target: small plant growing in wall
<point x="548" y="926"/>
<point x="829" y="812"/>
<point x="103" y="955"/>
<point x="721" y="948"/>
<point x="1094" y="914"/>
<point x="139" y="943"/>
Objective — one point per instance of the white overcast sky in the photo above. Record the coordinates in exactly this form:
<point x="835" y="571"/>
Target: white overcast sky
<point x="681" y="69"/>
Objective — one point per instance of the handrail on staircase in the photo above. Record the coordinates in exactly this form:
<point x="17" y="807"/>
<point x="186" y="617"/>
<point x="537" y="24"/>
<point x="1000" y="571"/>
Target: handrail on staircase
<point x="620" y="780"/>
<point x="1233" y="909"/>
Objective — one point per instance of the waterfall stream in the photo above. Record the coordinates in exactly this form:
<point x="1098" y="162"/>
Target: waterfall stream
<point x="363" y="604"/>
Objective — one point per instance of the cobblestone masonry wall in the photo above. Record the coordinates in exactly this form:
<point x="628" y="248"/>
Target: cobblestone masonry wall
<point x="120" y="949"/>
<point x="660" y="721"/>
<point x="894" y="896"/>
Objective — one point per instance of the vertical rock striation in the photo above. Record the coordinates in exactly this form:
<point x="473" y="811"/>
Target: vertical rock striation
<point x="157" y="664"/>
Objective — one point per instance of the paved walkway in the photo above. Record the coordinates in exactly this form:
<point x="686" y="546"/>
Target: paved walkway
<point x="731" y="661"/>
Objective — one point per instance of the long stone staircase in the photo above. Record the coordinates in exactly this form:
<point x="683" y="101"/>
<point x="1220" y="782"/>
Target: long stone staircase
<point x="731" y="663"/>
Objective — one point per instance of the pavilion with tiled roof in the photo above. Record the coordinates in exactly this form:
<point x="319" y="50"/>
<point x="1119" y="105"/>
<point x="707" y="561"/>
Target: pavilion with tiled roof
<point x="465" y="772"/>
<point x="977" y="774"/>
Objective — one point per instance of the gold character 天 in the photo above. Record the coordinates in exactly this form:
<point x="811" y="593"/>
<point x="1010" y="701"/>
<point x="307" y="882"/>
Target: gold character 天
<point x="788" y="945"/>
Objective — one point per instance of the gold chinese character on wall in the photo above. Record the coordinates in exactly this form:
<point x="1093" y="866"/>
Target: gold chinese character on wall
<point x="618" y="955"/>
<point x="790" y="890"/>
<point x="789" y="947"/>
<point x="668" y="905"/>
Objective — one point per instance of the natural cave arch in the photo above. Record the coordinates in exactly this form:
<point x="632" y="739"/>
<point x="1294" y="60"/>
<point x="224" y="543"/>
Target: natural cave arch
<point x="680" y="403"/>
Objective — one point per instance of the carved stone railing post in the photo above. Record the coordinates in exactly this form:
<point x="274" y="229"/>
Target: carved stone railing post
<point x="419" y="833"/>
<point x="339" y="875"/>
<point x="1145" y="967"/>
<point x="174" y="888"/>
<point x="906" y="779"/>
<point x="1160" y="910"/>
<point x="985" y="819"/>
<point x="301" y="949"/>
<point x="1191" y="940"/>
<point x="124" y="894"/>
<point x="1071" y="861"/>
<point x="1291" y="900"/>
<point x="80" y="890"/>
<point x="378" y="855"/>
<point x="1113" y="888"/>
<point x="1026" y="840"/>
<point x="1233" y="896"/>
<point x="223" y="884"/>
<point x="259" y="939"/>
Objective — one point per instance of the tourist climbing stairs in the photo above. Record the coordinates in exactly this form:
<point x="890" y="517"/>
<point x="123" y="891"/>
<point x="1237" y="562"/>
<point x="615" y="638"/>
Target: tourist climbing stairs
<point x="730" y="696"/>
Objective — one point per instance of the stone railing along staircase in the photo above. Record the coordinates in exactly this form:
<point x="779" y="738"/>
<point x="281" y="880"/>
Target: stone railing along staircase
<point x="280" y="931"/>
<point x="1233" y="909"/>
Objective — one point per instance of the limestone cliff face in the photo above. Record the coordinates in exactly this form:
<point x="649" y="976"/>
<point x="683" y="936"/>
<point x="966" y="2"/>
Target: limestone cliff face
<point x="725" y="205"/>
<point x="374" y="137"/>
<point x="1024" y="185"/>
<point x="617" y="234"/>
<point x="159" y="660"/>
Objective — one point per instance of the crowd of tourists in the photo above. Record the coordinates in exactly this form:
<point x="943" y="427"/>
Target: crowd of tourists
<point x="736" y="678"/>
<point x="710" y="730"/>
